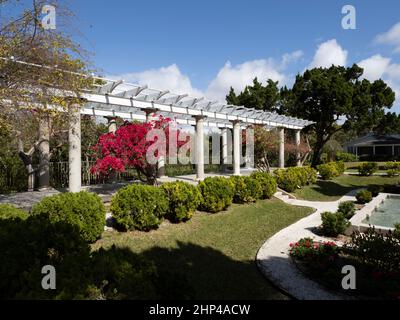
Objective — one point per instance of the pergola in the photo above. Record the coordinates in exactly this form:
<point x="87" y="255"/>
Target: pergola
<point x="134" y="102"/>
<point x="115" y="98"/>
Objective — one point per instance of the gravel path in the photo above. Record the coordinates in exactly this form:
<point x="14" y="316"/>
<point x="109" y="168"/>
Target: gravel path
<point x="273" y="257"/>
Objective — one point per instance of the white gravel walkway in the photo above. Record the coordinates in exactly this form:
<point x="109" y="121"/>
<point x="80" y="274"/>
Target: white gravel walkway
<point x="273" y="257"/>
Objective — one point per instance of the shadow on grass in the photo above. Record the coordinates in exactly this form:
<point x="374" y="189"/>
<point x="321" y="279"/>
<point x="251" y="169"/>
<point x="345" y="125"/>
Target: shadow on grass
<point x="186" y="272"/>
<point x="331" y="188"/>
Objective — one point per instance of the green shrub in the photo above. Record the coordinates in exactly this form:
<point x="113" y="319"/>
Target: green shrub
<point x="84" y="210"/>
<point x="13" y="174"/>
<point x="267" y="182"/>
<point x="301" y="174"/>
<point x="348" y="208"/>
<point x="334" y="224"/>
<point x="306" y="249"/>
<point x="8" y="211"/>
<point x="379" y="252"/>
<point x="367" y="168"/>
<point x="363" y="196"/>
<point x="140" y="207"/>
<point x="247" y="189"/>
<point x="217" y="193"/>
<point x="328" y="171"/>
<point x="396" y="231"/>
<point x="375" y="189"/>
<point x="346" y="157"/>
<point x="311" y="175"/>
<point x="183" y="199"/>
<point x="341" y="167"/>
<point x="393" y="168"/>
<point x="287" y="180"/>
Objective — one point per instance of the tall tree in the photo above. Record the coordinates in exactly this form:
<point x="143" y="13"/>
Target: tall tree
<point x="256" y="96"/>
<point x="389" y="124"/>
<point x="327" y="95"/>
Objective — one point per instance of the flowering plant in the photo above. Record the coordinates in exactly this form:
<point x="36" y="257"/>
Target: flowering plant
<point x="309" y="250"/>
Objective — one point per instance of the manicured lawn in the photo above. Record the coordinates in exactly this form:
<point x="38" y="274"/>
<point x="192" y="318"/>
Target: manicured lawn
<point x="216" y="253"/>
<point x="336" y="188"/>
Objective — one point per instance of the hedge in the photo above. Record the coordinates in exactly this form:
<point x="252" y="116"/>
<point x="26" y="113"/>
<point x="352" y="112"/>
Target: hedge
<point x="247" y="189"/>
<point x="295" y="177"/>
<point x="83" y="210"/>
<point x="8" y="211"/>
<point x="139" y="207"/>
<point x="267" y="182"/>
<point x="183" y="199"/>
<point x="367" y="168"/>
<point x="217" y="193"/>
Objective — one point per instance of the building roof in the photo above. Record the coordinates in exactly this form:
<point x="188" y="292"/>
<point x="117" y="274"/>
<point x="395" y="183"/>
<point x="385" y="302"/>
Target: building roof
<point x="375" y="139"/>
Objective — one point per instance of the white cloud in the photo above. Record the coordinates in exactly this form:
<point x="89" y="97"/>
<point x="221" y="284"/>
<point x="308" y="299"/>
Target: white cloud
<point x="240" y="75"/>
<point x="292" y="57"/>
<point x="165" y="78"/>
<point x="391" y="37"/>
<point x="374" y="67"/>
<point x="328" y="53"/>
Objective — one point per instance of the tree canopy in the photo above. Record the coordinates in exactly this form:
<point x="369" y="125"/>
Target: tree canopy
<point x="256" y="96"/>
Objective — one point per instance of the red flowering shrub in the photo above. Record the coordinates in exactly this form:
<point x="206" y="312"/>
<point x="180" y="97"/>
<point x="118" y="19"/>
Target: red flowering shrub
<point x="128" y="147"/>
<point x="320" y="253"/>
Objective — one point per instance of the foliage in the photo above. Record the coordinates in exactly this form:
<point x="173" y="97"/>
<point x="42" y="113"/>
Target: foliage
<point x="367" y="168"/>
<point x="334" y="224"/>
<point x="247" y="189"/>
<point x="324" y="95"/>
<point x="267" y="182"/>
<point x="348" y="208"/>
<point x="139" y="207"/>
<point x="183" y="199"/>
<point x="8" y="211"/>
<point x="328" y="171"/>
<point x="287" y="180"/>
<point x="315" y="252"/>
<point x="375" y="189"/>
<point x="396" y="231"/>
<point x="217" y="193"/>
<point x="393" y="168"/>
<point x="346" y="157"/>
<point x="256" y="96"/>
<point x="380" y="252"/>
<point x="265" y="147"/>
<point x="83" y="210"/>
<point x="129" y="146"/>
<point x="311" y="175"/>
<point x="363" y="196"/>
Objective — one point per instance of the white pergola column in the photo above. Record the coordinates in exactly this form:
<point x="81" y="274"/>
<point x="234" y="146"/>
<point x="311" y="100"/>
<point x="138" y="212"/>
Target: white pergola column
<point x="199" y="147"/>
<point x="74" y="140"/>
<point x="281" y="148"/>
<point x="236" y="147"/>
<point x="44" y="152"/>
<point x="298" y="140"/>
<point x="224" y="134"/>
<point x="112" y="124"/>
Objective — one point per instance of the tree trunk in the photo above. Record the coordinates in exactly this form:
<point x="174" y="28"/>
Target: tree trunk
<point x="317" y="152"/>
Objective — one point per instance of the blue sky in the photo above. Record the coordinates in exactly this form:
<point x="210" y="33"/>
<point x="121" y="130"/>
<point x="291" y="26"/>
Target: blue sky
<point x="203" y="47"/>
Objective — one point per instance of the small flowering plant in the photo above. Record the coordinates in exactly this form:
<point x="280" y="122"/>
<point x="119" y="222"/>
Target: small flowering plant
<point x="307" y="249"/>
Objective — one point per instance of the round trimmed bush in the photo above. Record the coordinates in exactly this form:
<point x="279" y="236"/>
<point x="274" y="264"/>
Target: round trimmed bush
<point x="333" y="224"/>
<point x="140" y="207"/>
<point x="312" y="175"/>
<point x="301" y="174"/>
<point x="267" y="182"/>
<point x="183" y="198"/>
<point x="287" y="180"/>
<point x="217" y="193"/>
<point x="82" y="209"/>
<point x="367" y="168"/>
<point x="247" y="189"/>
<point x="328" y="171"/>
<point x="348" y="208"/>
<point x="8" y="211"/>
<point x="363" y="196"/>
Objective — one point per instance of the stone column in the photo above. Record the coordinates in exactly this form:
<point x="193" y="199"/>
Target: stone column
<point x="74" y="140"/>
<point x="236" y="147"/>
<point x="224" y="134"/>
<point x="112" y="124"/>
<point x="281" y="148"/>
<point x="199" y="147"/>
<point x="298" y="156"/>
<point x="44" y="152"/>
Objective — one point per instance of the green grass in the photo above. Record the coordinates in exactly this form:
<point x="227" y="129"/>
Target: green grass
<point x="216" y="252"/>
<point x="334" y="189"/>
